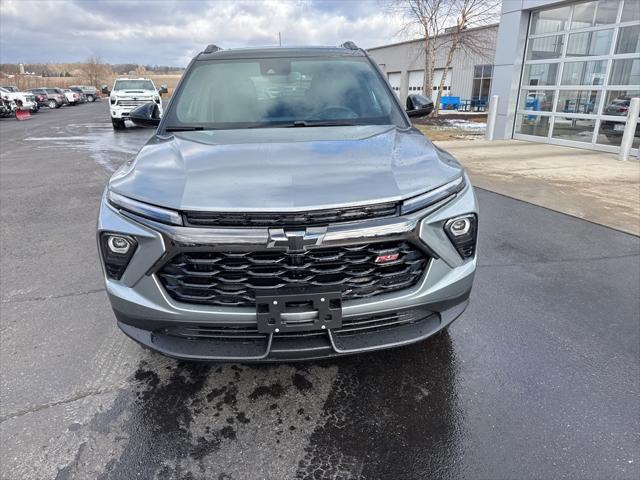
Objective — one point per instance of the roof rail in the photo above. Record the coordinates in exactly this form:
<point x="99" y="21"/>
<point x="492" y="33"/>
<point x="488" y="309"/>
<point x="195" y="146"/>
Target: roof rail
<point x="212" y="49"/>
<point x="350" y="45"/>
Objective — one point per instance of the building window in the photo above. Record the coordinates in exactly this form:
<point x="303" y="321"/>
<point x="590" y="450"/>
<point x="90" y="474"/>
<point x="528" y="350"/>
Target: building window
<point x="581" y="69"/>
<point x="482" y="75"/>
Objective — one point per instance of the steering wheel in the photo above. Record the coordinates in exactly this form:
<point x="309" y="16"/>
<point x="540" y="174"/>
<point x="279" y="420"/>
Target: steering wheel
<point x="334" y="112"/>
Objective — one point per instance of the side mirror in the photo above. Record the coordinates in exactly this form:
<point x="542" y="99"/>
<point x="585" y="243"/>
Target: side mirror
<point x="163" y="89"/>
<point x="104" y="89"/>
<point x="147" y="115"/>
<point x="419" y="105"/>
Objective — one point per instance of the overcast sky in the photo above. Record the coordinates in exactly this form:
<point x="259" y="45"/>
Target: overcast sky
<point x="167" y="32"/>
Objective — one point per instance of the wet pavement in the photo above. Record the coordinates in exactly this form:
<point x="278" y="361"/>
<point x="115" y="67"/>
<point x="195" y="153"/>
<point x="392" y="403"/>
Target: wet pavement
<point x="538" y="379"/>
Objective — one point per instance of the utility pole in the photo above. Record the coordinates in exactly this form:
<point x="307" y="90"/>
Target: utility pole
<point x="279" y="39"/>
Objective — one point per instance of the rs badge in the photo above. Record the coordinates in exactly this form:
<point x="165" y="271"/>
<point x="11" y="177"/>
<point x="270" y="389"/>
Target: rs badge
<point x="387" y="257"/>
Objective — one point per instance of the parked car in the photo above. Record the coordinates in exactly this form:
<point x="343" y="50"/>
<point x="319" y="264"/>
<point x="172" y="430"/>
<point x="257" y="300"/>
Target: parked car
<point x="65" y="99"/>
<point x="614" y="130"/>
<point x="23" y="100"/>
<point x="7" y="108"/>
<point x="91" y="93"/>
<point x="83" y="96"/>
<point x="41" y="97"/>
<point x="255" y="228"/>
<point x="129" y="93"/>
<point x="53" y="97"/>
<point x="72" y="97"/>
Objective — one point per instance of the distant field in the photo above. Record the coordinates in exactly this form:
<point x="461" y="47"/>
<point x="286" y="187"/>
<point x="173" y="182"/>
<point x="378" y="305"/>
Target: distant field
<point x="27" y="82"/>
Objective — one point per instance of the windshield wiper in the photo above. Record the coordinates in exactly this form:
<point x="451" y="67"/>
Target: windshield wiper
<point x="183" y="129"/>
<point x="321" y="123"/>
<point x="296" y="123"/>
<point x="305" y="123"/>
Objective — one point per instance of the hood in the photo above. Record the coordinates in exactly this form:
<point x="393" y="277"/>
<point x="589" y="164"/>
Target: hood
<point x="284" y="169"/>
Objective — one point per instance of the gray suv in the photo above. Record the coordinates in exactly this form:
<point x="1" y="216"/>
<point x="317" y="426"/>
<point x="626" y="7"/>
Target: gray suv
<point x="286" y="209"/>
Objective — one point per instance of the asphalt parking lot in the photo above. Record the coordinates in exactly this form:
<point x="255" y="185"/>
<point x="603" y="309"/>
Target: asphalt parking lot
<point x="540" y="378"/>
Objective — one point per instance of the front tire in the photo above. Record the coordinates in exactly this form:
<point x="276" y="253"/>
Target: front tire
<point x="90" y="98"/>
<point x="117" y="123"/>
<point x="52" y="104"/>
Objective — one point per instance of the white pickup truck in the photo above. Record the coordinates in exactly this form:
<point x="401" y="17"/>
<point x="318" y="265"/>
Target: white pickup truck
<point x="128" y="94"/>
<point x="23" y="100"/>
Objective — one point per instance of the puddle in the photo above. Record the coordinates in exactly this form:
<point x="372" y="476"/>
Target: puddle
<point x="105" y="146"/>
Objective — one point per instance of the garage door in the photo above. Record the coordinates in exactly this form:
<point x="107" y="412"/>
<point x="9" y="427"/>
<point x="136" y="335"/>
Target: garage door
<point x="416" y="82"/>
<point x="437" y="78"/>
<point x="394" y="81"/>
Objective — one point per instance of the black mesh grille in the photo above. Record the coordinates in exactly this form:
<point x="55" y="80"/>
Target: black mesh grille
<point x="351" y="326"/>
<point x="383" y="321"/>
<point x="233" y="278"/>
<point x="311" y="218"/>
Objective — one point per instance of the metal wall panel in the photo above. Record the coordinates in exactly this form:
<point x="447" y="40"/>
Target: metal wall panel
<point x="409" y="56"/>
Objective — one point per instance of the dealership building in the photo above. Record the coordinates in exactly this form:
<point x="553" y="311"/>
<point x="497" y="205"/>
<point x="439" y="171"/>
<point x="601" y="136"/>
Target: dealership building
<point x="469" y="74"/>
<point x="565" y="71"/>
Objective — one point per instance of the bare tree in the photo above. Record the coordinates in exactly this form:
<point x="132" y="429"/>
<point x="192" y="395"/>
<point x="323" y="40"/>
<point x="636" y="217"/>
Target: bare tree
<point x="94" y="69"/>
<point x="469" y="13"/>
<point x="428" y="19"/>
<point x="442" y="24"/>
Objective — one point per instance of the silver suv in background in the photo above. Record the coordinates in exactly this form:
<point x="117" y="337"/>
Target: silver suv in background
<point x="286" y="209"/>
<point x="91" y="93"/>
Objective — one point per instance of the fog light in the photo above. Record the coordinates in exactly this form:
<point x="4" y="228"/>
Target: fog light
<point x="462" y="231"/>
<point x="119" y="245"/>
<point x="460" y="226"/>
<point x="117" y="251"/>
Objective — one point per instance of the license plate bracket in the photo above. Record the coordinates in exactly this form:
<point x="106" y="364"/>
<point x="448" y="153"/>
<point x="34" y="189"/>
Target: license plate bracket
<point x="280" y="312"/>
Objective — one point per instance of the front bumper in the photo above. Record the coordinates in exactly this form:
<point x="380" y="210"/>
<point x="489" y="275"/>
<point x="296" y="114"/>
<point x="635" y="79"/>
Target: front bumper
<point x="147" y="314"/>
<point x="29" y="105"/>
<point x="123" y="111"/>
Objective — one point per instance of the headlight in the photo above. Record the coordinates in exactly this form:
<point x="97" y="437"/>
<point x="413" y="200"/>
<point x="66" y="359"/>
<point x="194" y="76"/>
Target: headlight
<point x="117" y="251"/>
<point x="113" y="100"/>
<point x="152" y="212"/>
<point x="433" y="196"/>
<point x="463" y="231"/>
<point x="157" y="100"/>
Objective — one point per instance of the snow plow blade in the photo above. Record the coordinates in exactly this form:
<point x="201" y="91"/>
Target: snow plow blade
<point x="22" y="114"/>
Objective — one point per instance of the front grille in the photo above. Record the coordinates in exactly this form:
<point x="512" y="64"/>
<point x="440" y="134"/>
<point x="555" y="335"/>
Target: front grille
<point x="311" y="218"/>
<point x="234" y="278"/>
<point x="231" y="333"/>
<point x="350" y="326"/>
<point x="377" y="323"/>
<point x="132" y="103"/>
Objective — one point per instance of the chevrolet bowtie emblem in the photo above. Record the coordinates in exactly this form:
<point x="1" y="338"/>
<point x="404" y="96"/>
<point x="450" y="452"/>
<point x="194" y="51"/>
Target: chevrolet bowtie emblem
<point x="296" y="240"/>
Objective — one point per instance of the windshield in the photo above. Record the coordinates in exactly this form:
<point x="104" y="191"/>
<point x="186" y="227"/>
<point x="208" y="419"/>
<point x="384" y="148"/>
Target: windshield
<point x="254" y="93"/>
<point x="133" y="85"/>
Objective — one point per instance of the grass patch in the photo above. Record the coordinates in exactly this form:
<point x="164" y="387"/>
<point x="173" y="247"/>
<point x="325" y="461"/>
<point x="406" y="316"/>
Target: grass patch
<point x="437" y="133"/>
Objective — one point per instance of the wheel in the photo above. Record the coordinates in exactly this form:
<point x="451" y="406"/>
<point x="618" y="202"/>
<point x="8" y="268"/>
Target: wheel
<point x="117" y="123"/>
<point x="90" y="98"/>
<point x="52" y="104"/>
